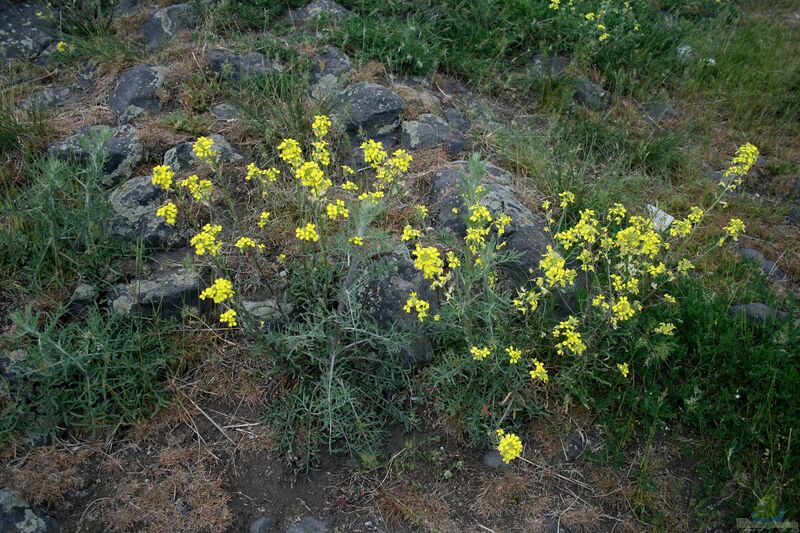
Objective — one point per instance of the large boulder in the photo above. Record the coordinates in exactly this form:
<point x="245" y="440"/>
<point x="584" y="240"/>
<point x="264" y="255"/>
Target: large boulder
<point x="182" y="156"/>
<point x="136" y="92"/>
<point x="231" y="66"/>
<point x="526" y="235"/>
<point x="368" y="110"/>
<point x="384" y="301"/>
<point x="164" y="293"/>
<point x="23" y="35"/>
<point x="163" y="24"/>
<point x="317" y="9"/>
<point x="123" y="153"/>
<point x="16" y="516"/>
<point x="134" y="205"/>
<point x="330" y="67"/>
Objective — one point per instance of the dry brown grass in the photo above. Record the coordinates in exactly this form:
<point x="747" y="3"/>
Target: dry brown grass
<point x="500" y="494"/>
<point x="47" y="475"/>
<point x="416" y="506"/>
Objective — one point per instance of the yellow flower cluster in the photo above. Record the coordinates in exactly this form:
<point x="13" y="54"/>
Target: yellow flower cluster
<point x="428" y="260"/>
<point x="527" y="300"/>
<point x="555" y="269"/>
<point x="199" y="189"/>
<point x="386" y="168"/>
<point x="409" y="233"/>
<point x="289" y="150"/>
<point x="162" y="176"/>
<point x="263" y="175"/>
<point x="219" y="291"/>
<point x="312" y="177"/>
<point x="321" y="125"/>
<point x="514" y="354"/>
<point x="263" y="218"/>
<point x="336" y="210"/>
<point x="169" y="212"/>
<point x="510" y="446"/>
<point x="373" y="197"/>
<point x="746" y="156"/>
<point x="206" y="240"/>
<point x="623" y="369"/>
<point x="734" y="229"/>
<point x="307" y="233"/>
<point x="356" y="240"/>
<point x="203" y="149"/>
<point x="665" y="328"/>
<point x="62" y="47"/>
<point x="570" y="338"/>
<point x="480" y="353"/>
<point x="244" y="243"/>
<point x="623" y="310"/>
<point x="228" y="318"/>
<point x="683" y="227"/>
<point x="418" y="305"/>
<point x="539" y="372"/>
<point x="349" y="186"/>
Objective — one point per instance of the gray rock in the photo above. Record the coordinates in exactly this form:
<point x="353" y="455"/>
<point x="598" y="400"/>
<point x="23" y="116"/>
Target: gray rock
<point x="231" y="66"/>
<point x="181" y="156"/>
<point x="591" y="95"/>
<point x="794" y="214"/>
<point x="82" y="298"/>
<point x="48" y="97"/>
<point x="368" y="109"/>
<point x="267" y="310"/>
<point x="661" y="219"/>
<point x="577" y="443"/>
<point x="127" y="8"/>
<point x="428" y="131"/>
<point x="163" y="24"/>
<point x="23" y="35"/>
<point x="494" y="460"/>
<point x="318" y="8"/>
<point x="768" y="268"/>
<point x="658" y="112"/>
<point x="329" y="70"/>
<point x="758" y="313"/>
<point x="456" y="119"/>
<point x="224" y="112"/>
<point x="525" y="235"/>
<point x="134" y="205"/>
<point x="136" y="92"/>
<point x="548" y="66"/>
<point x="384" y="301"/>
<point x="16" y="516"/>
<point x="122" y="153"/>
<point x="262" y="524"/>
<point x="309" y="524"/>
<point x="164" y="293"/>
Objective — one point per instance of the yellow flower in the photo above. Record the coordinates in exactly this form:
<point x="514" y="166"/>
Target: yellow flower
<point x="336" y="210"/>
<point x="349" y="186"/>
<point x="219" y="291"/>
<point x="479" y="354"/>
<point x="168" y="212"/>
<point x="356" y="241"/>
<point x="289" y="150"/>
<point x="264" y="175"/>
<point x="263" y="218"/>
<point x="623" y="310"/>
<point x="311" y="176"/>
<point x="410" y="233"/>
<point x="665" y="328"/>
<point x="203" y="149"/>
<point x="62" y="46"/>
<point x="421" y="210"/>
<point x="307" y="233"/>
<point x="281" y="258"/>
<point x="600" y="301"/>
<point x="746" y="156"/>
<point x="546" y="205"/>
<point x="539" y="372"/>
<point x="428" y="260"/>
<point x="437" y="317"/>
<point x="228" y="318"/>
<point x="321" y="125"/>
<point x="320" y="153"/>
<point x="373" y="197"/>
<point x="684" y="266"/>
<point x="554" y="4"/>
<point x="567" y="198"/>
<point x="589" y="16"/>
<point x="348" y="170"/>
<point x="669" y="298"/>
<point x="501" y="223"/>
<point x="162" y="176"/>
<point x="452" y="260"/>
<point x="570" y="338"/>
<point x="454" y="210"/>
<point x="526" y="299"/>
<point x="244" y="243"/>
<point x="603" y="37"/>
<point x="735" y="228"/>
<point x="478" y="214"/>
<point x="199" y="189"/>
<point x="554" y="267"/>
<point x="373" y="152"/>
<point x="206" y="240"/>
<point x="510" y="445"/>
<point x="416" y="304"/>
<point x="623" y="369"/>
<point x="514" y="355"/>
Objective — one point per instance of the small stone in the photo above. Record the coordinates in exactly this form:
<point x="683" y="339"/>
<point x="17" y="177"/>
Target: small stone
<point x="163" y="24"/>
<point x="235" y="67"/>
<point x="591" y="95"/>
<point x="659" y="112"/>
<point x="456" y="119"/>
<point x="134" y="205"/>
<point x="318" y="8"/>
<point x="224" y="112"/>
<point x="262" y="524"/>
<point x="548" y="66"/>
<point x="494" y="460"/>
<point x="135" y="92"/>
<point x="164" y="293"/>
<point x="48" y="97"/>
<point x="768" y="268"/>
<point x="661" y="220"/>
<point x="82" y="298"/>
<point x="578" y="442"/>
<point x="16" y="516"/>
<point x="368" y="109"/>
<point x="182" y="156"/>
<point x="309" y="524"/>
<point x="267" y="310"/>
